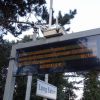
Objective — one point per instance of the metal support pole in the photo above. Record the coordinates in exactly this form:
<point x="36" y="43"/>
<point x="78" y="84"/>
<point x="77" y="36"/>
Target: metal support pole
<point x="10" y="80"/>
<point x="28" y="90"/>
<point x="50" y="23"/>
<point x="46" y="80"/>
<point x="29" y="78"/>
<point x="50" y="13"/>
<point x="34" y="36"/>
<point x="56" y="22"/>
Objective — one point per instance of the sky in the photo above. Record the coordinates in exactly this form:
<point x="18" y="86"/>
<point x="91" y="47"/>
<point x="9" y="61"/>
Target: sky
<point x="88" y="13"/>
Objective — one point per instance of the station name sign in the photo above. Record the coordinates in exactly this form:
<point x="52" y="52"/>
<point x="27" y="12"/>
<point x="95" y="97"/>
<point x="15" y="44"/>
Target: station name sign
<point x="46" y="90"/>
<point x="78" y="54"/>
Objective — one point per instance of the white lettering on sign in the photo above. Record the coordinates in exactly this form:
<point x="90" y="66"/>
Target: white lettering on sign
<point x="46" y="90"/>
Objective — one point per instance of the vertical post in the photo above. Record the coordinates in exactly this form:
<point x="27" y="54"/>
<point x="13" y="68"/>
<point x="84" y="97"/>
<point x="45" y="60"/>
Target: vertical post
<point x="28" y="90"/>
<point x="50" y="23"/>
<point x="56" y="22"/>
<point x="46" y="80"/>
<point x="10" y="80"/>
<point x="34" y="36"/>
<point x="50" y="13"/>
<point x="29" y="77"/>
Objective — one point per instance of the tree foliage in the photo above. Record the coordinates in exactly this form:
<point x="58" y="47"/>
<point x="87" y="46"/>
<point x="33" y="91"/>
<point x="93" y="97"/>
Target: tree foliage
<point x="64" y="87"/>
<point x="91" y="86"/>
<point x="64" y="19"/>
<point x="5" y="49"/>
<point x="12" y="10"/>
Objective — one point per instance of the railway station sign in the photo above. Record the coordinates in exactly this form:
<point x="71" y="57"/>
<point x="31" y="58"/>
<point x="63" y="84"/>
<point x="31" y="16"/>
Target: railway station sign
<point x="46" y="90"/>
<point x="69" y="53"/>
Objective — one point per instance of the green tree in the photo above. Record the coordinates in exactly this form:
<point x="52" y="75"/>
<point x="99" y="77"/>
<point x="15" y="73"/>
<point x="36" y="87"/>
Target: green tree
<point x="91" y="86"/>
<point x="64" y="87"/>
<point x="5" y="49"/>
<point x="65" y="19"/>
<point x="12" y="10"/>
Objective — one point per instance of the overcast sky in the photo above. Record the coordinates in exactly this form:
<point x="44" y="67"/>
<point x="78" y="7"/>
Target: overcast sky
<point x="88" y="13"/>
